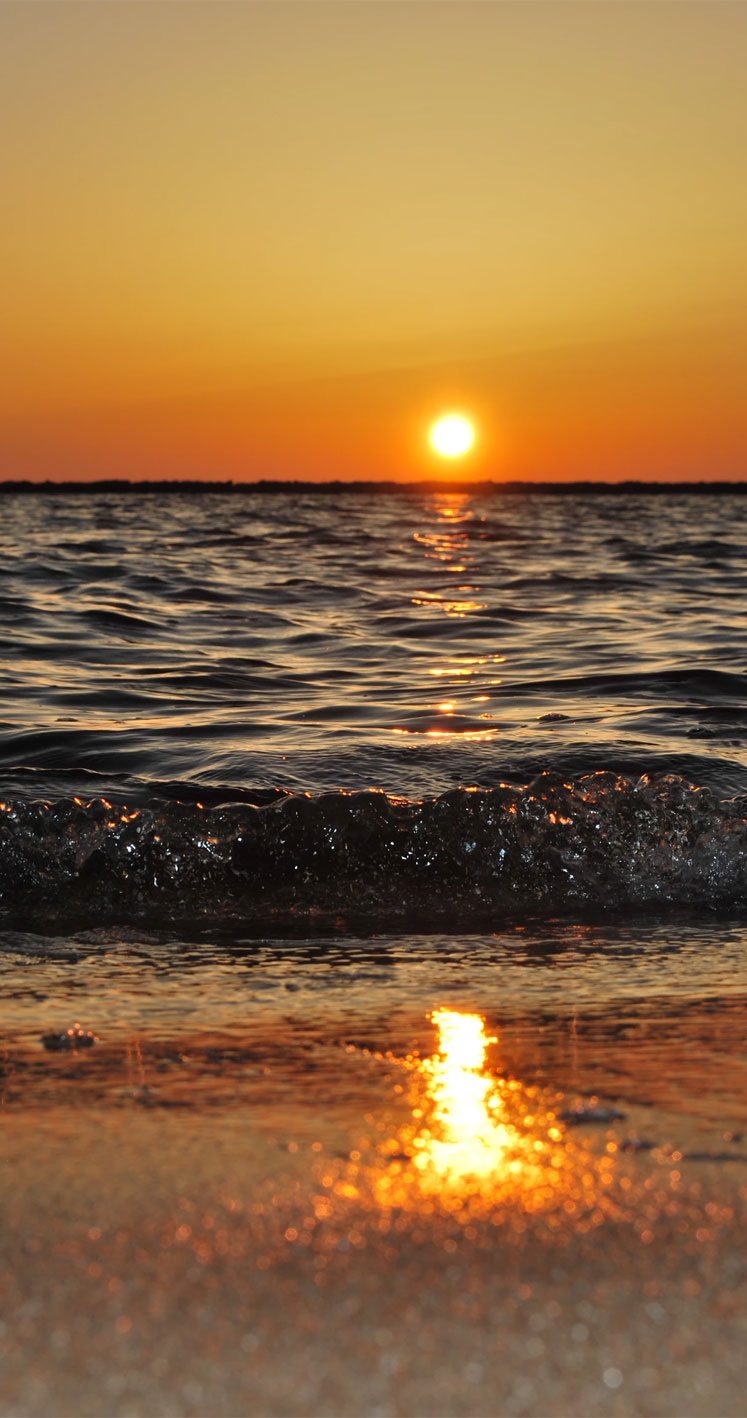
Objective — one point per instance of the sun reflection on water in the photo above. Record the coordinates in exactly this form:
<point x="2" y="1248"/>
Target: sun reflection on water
<point x="470" y="1137"/>
<point x="446" y="538"/>
<point x="460" y="1140"/>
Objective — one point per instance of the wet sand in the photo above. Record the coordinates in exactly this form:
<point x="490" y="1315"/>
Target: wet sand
<point x="405" y="1235"/>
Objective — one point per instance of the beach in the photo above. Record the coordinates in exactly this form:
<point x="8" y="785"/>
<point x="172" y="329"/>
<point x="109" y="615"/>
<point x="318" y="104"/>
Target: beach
<point x="155" y="1262"/>
<point x="344" y="1202"/>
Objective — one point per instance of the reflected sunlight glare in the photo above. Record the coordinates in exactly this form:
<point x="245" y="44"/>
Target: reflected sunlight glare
<point x="467" y="1104"/>
<point x="460" y="1139"/>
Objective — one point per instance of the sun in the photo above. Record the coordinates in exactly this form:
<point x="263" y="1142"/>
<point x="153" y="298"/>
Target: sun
<point x="452" y="435"/>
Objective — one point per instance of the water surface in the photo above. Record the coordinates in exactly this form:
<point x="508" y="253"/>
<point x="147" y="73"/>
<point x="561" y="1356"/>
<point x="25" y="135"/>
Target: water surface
<point x="390" y="855"/>
<point x="404" y="642"/>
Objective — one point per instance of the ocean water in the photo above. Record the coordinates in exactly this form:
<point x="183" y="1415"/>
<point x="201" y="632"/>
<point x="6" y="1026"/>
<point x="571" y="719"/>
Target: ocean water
<point x="409" y="644"/>
<point x="284" y="774"/>
<point x="527" y="701"/>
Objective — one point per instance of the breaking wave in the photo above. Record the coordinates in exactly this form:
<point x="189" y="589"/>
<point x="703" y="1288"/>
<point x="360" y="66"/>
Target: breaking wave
<point x="603" y="841"/>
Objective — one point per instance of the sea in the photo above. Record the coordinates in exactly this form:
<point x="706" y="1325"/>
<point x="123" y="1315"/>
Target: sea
<point x="285" y="775"/>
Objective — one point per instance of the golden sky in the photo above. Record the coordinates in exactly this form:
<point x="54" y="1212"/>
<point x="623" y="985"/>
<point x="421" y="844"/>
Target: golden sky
<point x="277" y="239"/>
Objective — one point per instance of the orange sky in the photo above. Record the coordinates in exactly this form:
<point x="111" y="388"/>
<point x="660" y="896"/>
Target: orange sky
<point x="276" y="240"/>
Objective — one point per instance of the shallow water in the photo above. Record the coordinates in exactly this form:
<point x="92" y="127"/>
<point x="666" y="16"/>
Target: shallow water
<point x="649" y="1013"/>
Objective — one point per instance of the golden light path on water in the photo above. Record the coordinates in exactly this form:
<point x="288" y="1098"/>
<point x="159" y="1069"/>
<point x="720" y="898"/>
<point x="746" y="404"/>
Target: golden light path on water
<point x="466" y="1107"/>
<point x="463" y="1140"/>
<point x="445" y="540"/>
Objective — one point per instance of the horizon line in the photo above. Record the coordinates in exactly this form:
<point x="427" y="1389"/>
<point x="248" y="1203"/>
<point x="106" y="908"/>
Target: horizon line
<point x="278" y="486"/>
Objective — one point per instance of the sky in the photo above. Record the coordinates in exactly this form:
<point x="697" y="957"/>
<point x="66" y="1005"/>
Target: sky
<point x="247" y="240"/>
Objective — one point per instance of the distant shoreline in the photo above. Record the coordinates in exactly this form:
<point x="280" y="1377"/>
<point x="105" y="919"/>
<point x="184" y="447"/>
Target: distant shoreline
<point x="194" y="486"/>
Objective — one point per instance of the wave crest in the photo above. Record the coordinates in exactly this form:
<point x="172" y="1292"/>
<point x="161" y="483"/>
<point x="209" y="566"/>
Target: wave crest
<point x="603" y="841"/>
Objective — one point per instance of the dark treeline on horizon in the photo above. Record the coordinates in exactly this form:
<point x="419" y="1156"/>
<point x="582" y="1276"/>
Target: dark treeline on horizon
<point x="430" y="485"/>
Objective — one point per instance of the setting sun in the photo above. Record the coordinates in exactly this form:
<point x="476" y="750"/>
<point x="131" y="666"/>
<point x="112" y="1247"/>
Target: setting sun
<point x="451" y="436"/>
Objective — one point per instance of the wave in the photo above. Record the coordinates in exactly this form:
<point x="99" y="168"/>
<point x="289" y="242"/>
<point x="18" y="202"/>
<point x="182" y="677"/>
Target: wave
<point x="604" y="841"/>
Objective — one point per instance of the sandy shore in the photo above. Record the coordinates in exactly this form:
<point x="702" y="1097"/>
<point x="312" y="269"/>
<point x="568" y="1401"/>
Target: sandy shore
<point x="424" y="1244"/>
